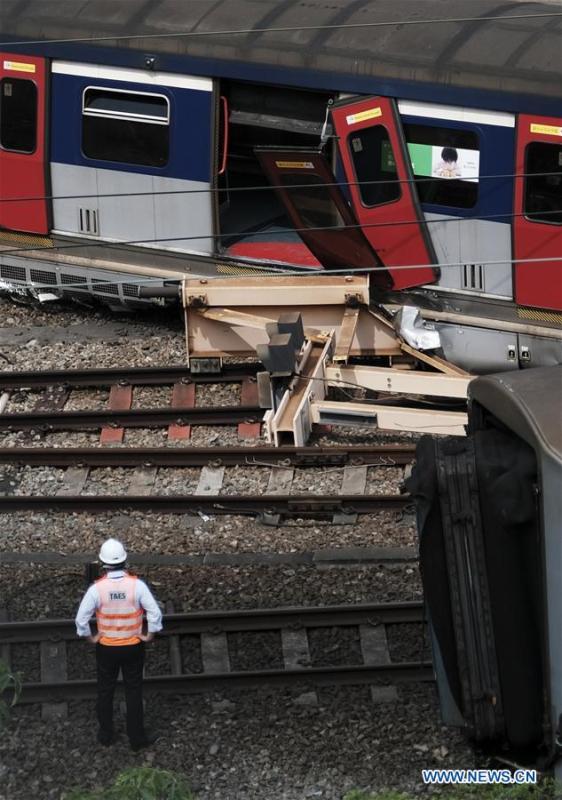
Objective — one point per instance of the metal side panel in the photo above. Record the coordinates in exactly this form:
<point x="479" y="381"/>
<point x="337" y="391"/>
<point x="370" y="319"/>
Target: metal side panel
<point x="538" y="351"/>
<point x="551" y="471"/>
<point x="478" y="350"/>
<point x="445" y="235"/>
<point x="472" y="244"/>
<point x="483" y="242"/>
<point x="183" y="215"/>
<point x="528" y="403"/>
<point x="126" y="206"/>
<point x="68" y="183"/>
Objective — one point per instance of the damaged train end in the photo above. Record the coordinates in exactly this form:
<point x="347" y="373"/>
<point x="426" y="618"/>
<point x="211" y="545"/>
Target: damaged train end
<point x="489" y="513"/>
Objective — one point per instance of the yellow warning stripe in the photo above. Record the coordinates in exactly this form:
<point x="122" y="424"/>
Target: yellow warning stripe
<point x="231" y="269"/>
<point x="10" y="237"/>
<point x="539" y="314"/>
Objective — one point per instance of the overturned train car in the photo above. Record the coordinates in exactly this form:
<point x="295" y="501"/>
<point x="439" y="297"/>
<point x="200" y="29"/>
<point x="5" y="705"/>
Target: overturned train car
<point x="141" y="142"/>
<point x="489" y="519"/>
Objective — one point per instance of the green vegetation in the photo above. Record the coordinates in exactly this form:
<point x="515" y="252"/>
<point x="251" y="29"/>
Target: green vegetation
<point x="139" y="783"/>
<point x="9" y="682"/>
<point x="546" y="790"/>
<point x="358" y="794"/>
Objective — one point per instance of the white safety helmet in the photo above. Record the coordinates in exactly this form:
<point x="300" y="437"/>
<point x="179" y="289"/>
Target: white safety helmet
<point x="112" y="552"/>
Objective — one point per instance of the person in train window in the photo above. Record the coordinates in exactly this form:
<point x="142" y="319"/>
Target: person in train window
<point x="119" y="600"/>
<point x="448" y="167"/>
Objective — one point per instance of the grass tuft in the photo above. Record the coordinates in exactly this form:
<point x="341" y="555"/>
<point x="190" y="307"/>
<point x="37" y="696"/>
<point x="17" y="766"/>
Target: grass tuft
<point x="139" y="783"/>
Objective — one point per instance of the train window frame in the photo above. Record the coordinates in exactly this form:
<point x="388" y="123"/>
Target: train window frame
<point x="20" y="150"/>
<point x="395" y="181"/>
<point x="527" y="182"/>
<point x="421" y="180"/>
<point x="127" y="117"/>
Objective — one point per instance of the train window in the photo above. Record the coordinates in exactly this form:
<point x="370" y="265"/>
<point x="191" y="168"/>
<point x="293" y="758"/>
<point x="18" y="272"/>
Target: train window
<point x="312" y="200"/>
<point x="18" y="115"/>
<point x="373" y="161"/>
<point x="127" y="127"/>
<point x="543" y="185"/>
<point x="446" y="163"/>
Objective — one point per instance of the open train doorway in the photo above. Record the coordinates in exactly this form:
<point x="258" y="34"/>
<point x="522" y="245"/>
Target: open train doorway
<point x="252" y="221"/>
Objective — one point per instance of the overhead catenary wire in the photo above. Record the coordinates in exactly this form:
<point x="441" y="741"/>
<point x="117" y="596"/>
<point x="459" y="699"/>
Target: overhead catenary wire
<point x="88" y="242"/>
<point x="283" y="29"/>
<point x="266" y="187"/>
<point x="219" y="190"/>
<point x="267" y="270"/>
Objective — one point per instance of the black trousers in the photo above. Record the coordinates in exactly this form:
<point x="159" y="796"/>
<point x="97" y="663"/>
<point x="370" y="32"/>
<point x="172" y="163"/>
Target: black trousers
<point x="130" y="660"/>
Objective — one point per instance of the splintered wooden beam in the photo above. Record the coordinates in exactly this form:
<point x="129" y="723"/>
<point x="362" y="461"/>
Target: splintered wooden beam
<point x="346" y="334"/>
<point x="243" y="319"/>
<point x="438" y="363"/>
<point x="392" y="418"/>
<point x="386" y="379"/>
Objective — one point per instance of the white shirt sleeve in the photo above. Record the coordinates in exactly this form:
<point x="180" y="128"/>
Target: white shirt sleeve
<point x="153" y="612"/>
<point x="86" y="611"/>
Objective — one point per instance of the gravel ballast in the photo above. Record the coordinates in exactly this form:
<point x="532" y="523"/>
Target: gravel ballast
<point x="255" y="745"/>
<point x="251" y="745"/>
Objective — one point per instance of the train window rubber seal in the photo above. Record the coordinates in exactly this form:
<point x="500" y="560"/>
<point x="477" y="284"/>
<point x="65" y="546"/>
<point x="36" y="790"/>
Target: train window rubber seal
<point x="536" y="183"/>
<point x="31" y="122"/>
<point x="112" y="97"/>
<point x="371" y="182"/>
<point x="125" y="135"/>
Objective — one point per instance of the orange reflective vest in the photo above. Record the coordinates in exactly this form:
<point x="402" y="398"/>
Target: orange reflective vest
<point x="119" y="616"/>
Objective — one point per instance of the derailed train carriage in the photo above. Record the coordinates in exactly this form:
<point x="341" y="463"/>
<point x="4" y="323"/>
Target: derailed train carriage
<point x="425" y="144"/>
<point x="489" y="517"/>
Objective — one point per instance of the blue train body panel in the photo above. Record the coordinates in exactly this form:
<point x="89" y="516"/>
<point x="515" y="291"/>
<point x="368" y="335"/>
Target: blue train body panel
<point x="190" y="125"/>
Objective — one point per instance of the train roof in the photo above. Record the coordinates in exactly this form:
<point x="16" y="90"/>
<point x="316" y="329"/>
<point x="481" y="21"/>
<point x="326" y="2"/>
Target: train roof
<point x="434" y="59"/>
<point x="528" y="402"/>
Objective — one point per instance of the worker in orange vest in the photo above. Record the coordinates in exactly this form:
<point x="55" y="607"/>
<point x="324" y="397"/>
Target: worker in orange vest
<point x="119" y="601"/>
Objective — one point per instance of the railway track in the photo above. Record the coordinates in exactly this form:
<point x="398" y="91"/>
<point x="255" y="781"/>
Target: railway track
<point x="47" y="421"/>
<point x="206" y="498"/>
<point x="55" y="388"/>
<point x="357" y="455"/>
<point x="212" y="630"/>
<point x="292" y="627"/>
<point x="123" y="376"/>
<point x="303" y="506"/>
<point x="341" y="556"/>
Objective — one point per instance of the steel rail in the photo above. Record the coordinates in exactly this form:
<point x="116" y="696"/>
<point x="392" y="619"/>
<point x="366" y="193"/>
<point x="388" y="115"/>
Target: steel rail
<point x="197" y="622"/>
<point x="134" y="376"/>
<point x="289" y="505"/>
<point x="343" y="556"/>
<point x="133" y="418"/>
<point x="376" y="455"/>
<point x="193" y="683"/>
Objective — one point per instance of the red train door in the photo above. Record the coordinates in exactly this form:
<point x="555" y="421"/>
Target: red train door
<point x="317" y="208"/>
<point x="537" y="226"/>
<point x="22" y="144"/>
<point x="377" y="166"/>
